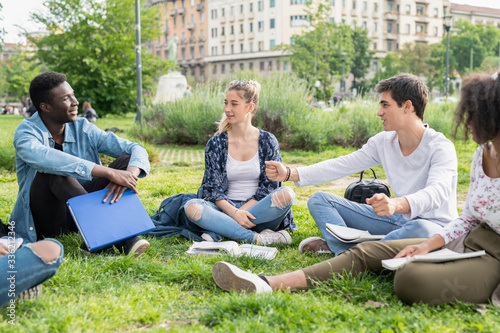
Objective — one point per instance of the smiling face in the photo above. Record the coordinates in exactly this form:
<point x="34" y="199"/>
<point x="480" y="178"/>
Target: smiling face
<point x="63" y="107"/>
<point x="390" y="113"/>
<point x="236" y="109"/>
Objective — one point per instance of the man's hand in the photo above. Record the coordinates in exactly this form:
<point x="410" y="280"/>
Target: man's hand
<point x="243" y="218"/>
<point x="120" y="180"/>
<point x="275" y="171"/>
<point x="384" y="206"/>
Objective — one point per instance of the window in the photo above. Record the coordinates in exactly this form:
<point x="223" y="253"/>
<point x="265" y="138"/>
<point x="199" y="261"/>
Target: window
<point x="250" y="66"/>
<point x="407" y="29"/>
<point x="436" y="12"/>
<point x="251" y="7"/>
<point x="297" y="2"/>
<point x="389" y="46"/>
<point x="262" y="65"/>
<point x="272" y="43"/>
<point x="241" y="48"/>
<point x="353" y="4"/>
<point x="241" y="9"/>
<point x="261" y="26"/>
<point x="435" y="31"/>
<point x="261" y="46"/>
<point x="223" y="12"/>
<point x="251" y="47"/>
<point x="232" y="30"/>
<point x="192" y="3"/>
<point x="375" y="66"/>
<point x="223" y="49"/>
<point x="183" y="35"/>
<point x="241" y="28"/>
<point x="272" y="3"/>
<point x="365" y="5"/>
<point x="191" y="50"/>
<point x="202" y="17"/>
<point x="251" y="26"/>
<point x="213" y="14"/>
<point x="242" y="66"/>
<point x="365" y="25"/>
<point x="420" y="10"/>
<point x="232" y="68"/>
<point x="375" y="46"/>
<point x="292" y="41"/>
<point x="260" y="6"/>
<point x="375" y="26"/>
<point x="232" y="10"/>
<point x="419" y="29"/>
<point x="214" y="50"/>
<point x="175" y="22"/>
<point x="299" y="21"/>
<point x="389" y="27"/>
<point x="408" y="9"/>
<point x="214" y="69"/>
<point x="270" y="65"/>
<point x="183" y="53"/>
<point x="389" y="7"/>
<point x="232" y="49"/>
<point x="223" y="68"/>
<point x="223" y="32"/>
<point x="331" y="2"/>
<point x="202" y="51"/>
<point x="271" y="24"/>
<point x="202" y="33"/>
<point x="278" y="65"/>
<point x="183" y="20"/>
<point x="375" y="7"/>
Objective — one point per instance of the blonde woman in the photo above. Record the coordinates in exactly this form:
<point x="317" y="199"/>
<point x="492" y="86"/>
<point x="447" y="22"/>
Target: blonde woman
<point x="238" y="201"/>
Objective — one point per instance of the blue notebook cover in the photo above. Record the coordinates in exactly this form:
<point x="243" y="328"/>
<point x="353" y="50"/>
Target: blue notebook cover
<point x="103" y="224"/>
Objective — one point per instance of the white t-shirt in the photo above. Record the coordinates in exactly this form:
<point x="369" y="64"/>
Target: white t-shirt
<point x="427" y="178"/>
<point x="242" y="177"/>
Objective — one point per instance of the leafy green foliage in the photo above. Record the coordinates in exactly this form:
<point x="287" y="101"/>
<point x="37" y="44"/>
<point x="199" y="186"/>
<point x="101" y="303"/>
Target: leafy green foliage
<point x="16" y="75"/>
<point x="93" y="43"/>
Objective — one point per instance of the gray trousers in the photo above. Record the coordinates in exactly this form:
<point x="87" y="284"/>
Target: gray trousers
<point x="469" y="280"/>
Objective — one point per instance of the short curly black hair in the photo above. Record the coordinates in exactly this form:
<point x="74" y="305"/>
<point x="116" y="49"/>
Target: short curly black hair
<point x="41" y="85"/>
<point x="406" y="87"/>
<point x="479" y="107"/>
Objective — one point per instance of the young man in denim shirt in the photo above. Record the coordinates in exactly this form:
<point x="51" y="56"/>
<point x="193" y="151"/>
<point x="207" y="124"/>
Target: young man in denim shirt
<point x="57" y="158"/>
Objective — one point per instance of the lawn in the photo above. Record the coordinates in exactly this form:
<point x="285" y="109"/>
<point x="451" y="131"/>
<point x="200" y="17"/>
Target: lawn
<point x="165" y="290"/>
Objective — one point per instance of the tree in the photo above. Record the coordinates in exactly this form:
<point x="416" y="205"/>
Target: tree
<point x="317" y="54"/>
<point x="362" y="58"/>
<point x="17" y="74"/>
<point x="417" y="58"/>
<point x="93" y="43"/>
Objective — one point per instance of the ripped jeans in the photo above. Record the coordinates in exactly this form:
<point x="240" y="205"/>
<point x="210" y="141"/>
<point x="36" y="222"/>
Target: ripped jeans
<point x="268" y="215"/>
<point x="24" y="269"/>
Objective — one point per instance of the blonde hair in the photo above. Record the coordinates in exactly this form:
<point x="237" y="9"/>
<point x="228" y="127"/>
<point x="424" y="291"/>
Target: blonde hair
<point x="249" y="92"/>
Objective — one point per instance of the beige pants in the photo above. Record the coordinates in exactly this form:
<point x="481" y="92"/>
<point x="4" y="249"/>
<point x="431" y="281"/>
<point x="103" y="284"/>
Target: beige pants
<point x="468" y="280"/>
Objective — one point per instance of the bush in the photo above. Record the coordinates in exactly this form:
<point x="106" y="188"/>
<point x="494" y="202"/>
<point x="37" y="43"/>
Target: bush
<point x="283" y="111"/>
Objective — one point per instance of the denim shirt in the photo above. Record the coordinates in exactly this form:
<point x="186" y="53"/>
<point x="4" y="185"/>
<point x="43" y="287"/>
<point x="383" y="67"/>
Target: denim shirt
<point x="215" y="184"/>
<point x="83" y="142"/>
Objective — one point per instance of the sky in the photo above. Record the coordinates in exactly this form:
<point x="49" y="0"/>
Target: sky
<point x="17" y="12"/>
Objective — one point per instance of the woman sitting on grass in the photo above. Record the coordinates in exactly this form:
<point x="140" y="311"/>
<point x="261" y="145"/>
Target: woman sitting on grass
<point x="239" y="201"/>
<point x="473" y="280"/>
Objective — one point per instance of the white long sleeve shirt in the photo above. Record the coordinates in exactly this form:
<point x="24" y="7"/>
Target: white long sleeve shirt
<point x="427" y="178"/>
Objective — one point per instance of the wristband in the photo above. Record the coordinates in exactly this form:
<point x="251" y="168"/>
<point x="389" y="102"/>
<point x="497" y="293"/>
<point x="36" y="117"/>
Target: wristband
<point x="288" y="172"/>
<point x="232" y="216"/>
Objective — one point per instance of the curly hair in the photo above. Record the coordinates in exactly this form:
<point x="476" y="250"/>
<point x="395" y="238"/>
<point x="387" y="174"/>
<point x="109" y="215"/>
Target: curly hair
<point x="41" y="86"/>
<point x="406" y="87"/>
<point x="479" y="107"/>
<point x="249" y="91"/>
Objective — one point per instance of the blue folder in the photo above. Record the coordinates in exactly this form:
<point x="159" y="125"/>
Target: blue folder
<point x="103" y="224"/>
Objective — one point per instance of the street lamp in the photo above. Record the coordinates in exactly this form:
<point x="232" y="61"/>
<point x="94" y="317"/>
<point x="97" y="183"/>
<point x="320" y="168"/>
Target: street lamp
<point x="447" y="25"/>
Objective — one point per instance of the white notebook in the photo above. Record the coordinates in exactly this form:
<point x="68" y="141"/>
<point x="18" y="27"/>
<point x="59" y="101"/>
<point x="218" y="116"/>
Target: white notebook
<point x="232" y="248"/>
<point x="351" y="235"/>
<point x="435" y="256"/>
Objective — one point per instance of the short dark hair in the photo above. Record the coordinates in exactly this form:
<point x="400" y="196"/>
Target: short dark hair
<point x="479" y="107"/>
<point x="406" y="87"/>
<point x="41" y="85"/>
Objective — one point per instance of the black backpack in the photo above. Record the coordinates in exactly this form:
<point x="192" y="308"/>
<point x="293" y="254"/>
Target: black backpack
<point x="362" y="189"/>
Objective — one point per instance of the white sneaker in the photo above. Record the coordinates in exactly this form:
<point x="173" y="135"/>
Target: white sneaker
<point x="207" y="237"/>
<point x="274" y="237"/>
<point x="315" y="245"/>
<point x="230" y="277"/>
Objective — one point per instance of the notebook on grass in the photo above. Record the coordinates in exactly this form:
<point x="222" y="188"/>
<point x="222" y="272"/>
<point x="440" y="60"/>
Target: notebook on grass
<point x="103" y="224"/>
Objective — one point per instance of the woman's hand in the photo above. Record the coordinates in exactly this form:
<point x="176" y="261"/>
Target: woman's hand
<point x="275" y="171"/>
<point x="242" y="217"/>
<point x="429" y="245"/>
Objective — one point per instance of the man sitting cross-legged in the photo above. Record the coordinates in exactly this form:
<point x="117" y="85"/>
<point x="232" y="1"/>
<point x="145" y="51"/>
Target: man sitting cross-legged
<point x="57" y="158"/>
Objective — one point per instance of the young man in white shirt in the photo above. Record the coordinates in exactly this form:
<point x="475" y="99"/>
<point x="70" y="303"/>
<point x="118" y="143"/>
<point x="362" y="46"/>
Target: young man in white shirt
<point x="420" y="165"/>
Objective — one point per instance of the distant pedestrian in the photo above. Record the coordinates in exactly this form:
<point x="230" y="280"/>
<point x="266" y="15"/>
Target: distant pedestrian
<point x="89" y="113"/>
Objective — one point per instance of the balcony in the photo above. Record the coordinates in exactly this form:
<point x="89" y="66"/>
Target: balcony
<point x="190" y="26"/>
<point x="390" y="36"/>
<point x="200" y="7"/>
<point x="241" y="36"/>
<point x="422" y="19"/>
<point x="173" y="12"/>
<point x="222" y="19"/>
<point x="192" y="40"/>
<point x="375" y="15"/>
<point x="354" y="12"/>
<point x="251" y="15"/>
<point x="231" y="38"/>
<point x="391" y="16"/>
<point x="184" y="41"/>
<point x="201" y="39"/>
<point x="181" y="11"/>
<point x="364" y="13"/>
<point x="251" y="35"/>
<point x="223" y="38"/>
<point x="231" y="18"/>
<point x="344" y="12"/>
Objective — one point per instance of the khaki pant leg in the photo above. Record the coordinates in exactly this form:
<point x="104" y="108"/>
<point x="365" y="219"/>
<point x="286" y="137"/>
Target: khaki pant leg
<point x="362" y="257"/>
<point x="468" y="280"/>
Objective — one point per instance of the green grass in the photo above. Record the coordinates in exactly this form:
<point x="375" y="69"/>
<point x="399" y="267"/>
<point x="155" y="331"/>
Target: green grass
<point x="165" y="290"/>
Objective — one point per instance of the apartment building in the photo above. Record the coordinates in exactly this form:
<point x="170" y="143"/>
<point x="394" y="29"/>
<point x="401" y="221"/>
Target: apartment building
<point x="184" y="23"/>
<point x="476" y="15"/>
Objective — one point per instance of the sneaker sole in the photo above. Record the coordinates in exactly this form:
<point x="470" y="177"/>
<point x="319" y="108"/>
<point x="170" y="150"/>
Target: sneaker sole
<point x="310" y="239"/>
<point x="227" y="279"/>
<point x="139" y="248"/>
<point x="31" y="293"/>
<point x="286" y="235"/>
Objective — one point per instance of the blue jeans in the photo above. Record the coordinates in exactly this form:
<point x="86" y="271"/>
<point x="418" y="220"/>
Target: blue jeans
<point x="267" y="216"/>
<point x="28" y="270"/>
<point x="330" y="208"/>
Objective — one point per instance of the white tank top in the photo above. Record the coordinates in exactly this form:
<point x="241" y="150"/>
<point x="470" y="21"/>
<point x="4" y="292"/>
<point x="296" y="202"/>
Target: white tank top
<point x="242" y="177"/>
